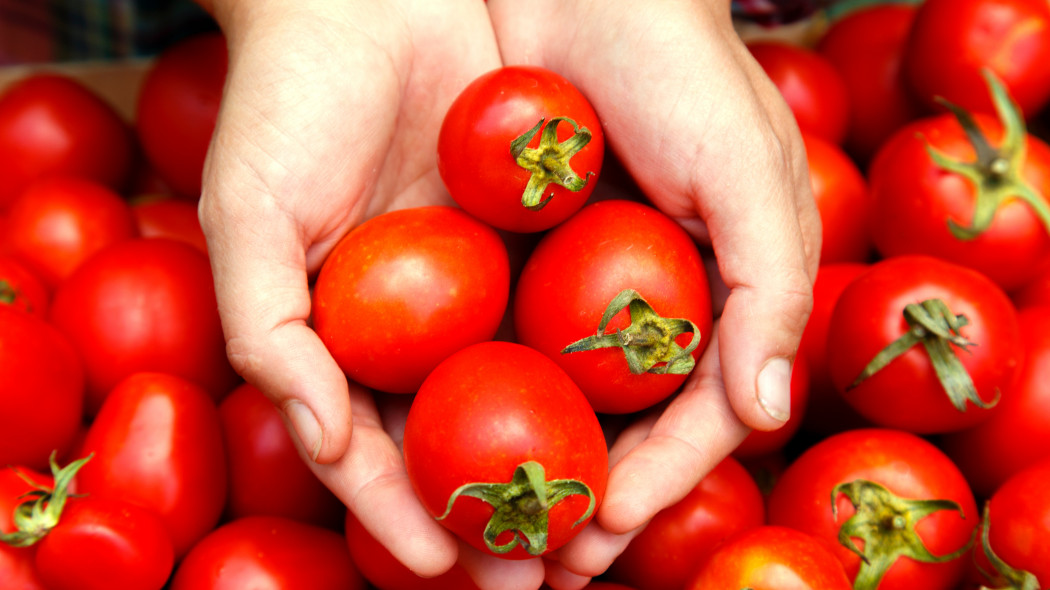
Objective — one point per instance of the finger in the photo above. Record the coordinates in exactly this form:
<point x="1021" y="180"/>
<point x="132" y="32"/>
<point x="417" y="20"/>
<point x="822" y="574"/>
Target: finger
<point x="494" y="573"/>
<point x="558" y="577"/>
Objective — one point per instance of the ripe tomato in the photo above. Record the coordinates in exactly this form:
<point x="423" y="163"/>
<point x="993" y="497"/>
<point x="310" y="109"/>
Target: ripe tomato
<point x="43" y="392"/>
<point x="957" y="345"/>
<point x="841" y="193"/>
<point x="51" y="124"/>
<point x="268" y="552"/>
<point x="951" y="41"/>
<point x="991" y="215"/>
<point x="501" y="423"/>
<point x="177" y="107"/>
<point x="157" y="442"/>
<point x="484" y="161"/>
<point x="21" y="288"/>
<point x="771" y="558"/>
<point x="169" y="217"/>
<point x="664" y="555"/>
<point x="266" y="474"/>
<point x="580" y="267"/>
<point x="405" y="289"/>
<point x="866" y="47"/>
<point x="888" y="494"/>
<point x="812" y="87"/>
<point x="145" y="304"/>
<point x="1018" y="432"/>
<point x="385" y="572"/>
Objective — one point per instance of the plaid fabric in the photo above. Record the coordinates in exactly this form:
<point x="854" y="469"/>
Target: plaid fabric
<point x="33" y="31"/>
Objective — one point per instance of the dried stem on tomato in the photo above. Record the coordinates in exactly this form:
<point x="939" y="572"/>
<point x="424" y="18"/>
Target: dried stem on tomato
<point x="550" y="161"/>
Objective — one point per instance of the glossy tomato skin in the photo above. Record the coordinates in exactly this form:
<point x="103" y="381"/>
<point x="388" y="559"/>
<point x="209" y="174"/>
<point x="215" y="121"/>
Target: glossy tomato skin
<point x="812" y="87"/>
<point x="866" y="47"/>
<point x="771" y="558"/>
<point x="486" y="410"/>
<point x="407" y="288"/>
<point x="952" y="40"/>
<point x="579" y="267"/>
<point x="906" y="393"/>
<point x="1019" y="522"/>
<point x="43" y="393"/>
<point x="266" y="474"/>
<point x="57" y="223"/>
<point x="664" y="555"/>
<point x="913" y="200"/>
<point x="474" y="146"/>
<point x="843" y="201"/>
<point x="907" y="466"/>
<point x="1017" y="434"/>
<point x="177" y="107"/>
<point x="157" y="442"/>
<point x="51" y="124"/>
<point x="146" y="304"/>
<point x="268" y="552"/>
<point x="100" y="544"/>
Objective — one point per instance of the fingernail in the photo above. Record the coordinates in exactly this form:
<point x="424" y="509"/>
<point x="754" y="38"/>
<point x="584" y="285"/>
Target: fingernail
<point x="774" y="388"/>
<point x="306" y="427"/>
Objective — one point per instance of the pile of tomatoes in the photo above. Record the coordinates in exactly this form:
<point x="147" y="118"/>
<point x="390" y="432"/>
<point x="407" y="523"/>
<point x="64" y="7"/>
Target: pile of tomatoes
<point x="918" y="446"/>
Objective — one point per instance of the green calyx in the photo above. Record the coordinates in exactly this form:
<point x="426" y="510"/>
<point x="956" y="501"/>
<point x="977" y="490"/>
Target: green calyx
<point x="934" y="326"/>
<point x="996" y="174"/>
<point x="8" y="293"/>
<point x="522" y="506"/>
<point x="648" y="343"/>
<point x="886" y="524"/>
<point x="1015" y="579"/>
<point x="41" y="510"/>
<point x="550" y="161"/>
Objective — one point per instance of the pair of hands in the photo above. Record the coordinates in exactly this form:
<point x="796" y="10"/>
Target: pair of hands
<point x="331" y="115"/>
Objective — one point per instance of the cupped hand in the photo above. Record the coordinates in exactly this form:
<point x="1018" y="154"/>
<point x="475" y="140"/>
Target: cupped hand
<point x="710" y="141"/>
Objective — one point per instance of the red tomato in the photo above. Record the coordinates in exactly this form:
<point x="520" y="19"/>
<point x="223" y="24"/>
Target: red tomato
<point x="1018" y="523"/>
<point x="896" y="300"/>
<point x="43" y="390"/>
<point x="21" y="288"/>
<point x="51" y="124"/>
<point x="169" y="217"/>
<point x="18" y="564"/>
<point x="504" y="183"/>
<point x="177" y="107"/>
<point x="57" y="223"/>
<point x="896" y="475"/>
<point x="266" y="474"/>
<point x="812" y="87"/>
<point x="841" y="193"/>
<point x="157" y="442"/>
<point x="664" y="555"/>
<point x="951" y="41"/>
<point x="489" y="420"/>
<point x="771" y="558"/>
<point x="1018" y="432"/>
<point x="1035" y="292"/>
<point x="763" y="442"/>
<point x="581" y="266"/>
<point x="146" y="304"/>
<point x="916" y="203"/>
<point x="268" y="552"/>
<point x="404" y="290"/>
<point x="385" y="572"/>
<point x="866" y="46"/>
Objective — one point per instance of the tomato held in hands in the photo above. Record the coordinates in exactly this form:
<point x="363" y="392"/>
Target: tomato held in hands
<point x="566" y="291"/>
<point x="503" y="449"/>
<point x="404" y="290"/>
<point x="520" y="148"/>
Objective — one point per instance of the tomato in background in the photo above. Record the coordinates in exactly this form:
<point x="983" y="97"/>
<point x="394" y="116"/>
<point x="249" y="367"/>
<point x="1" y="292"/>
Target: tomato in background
<point x="177" y="107"/>
<point x="951" y="41"/>
<point x="665" y="554"/>
<point x="51" y="124"/>
<point x="168" y="217"/>
<point x="866" y="46"/>
<point x="146" y="304"/>
<point x="268" y="552"/>
<point x="43" y="390"/>
<point x="481" y="172"/>
<point x="157" y="442"/>
<point x="812" y="87"/>
<point x="21" y="288"/>
<point x="266" y="474"/>
<point x="841" y="193"/>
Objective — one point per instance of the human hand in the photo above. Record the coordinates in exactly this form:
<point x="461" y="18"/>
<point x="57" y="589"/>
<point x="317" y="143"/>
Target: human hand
<point x="710" y="141"/>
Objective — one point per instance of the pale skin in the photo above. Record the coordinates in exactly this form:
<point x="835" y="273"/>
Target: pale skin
<point x="330" y="116"/>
